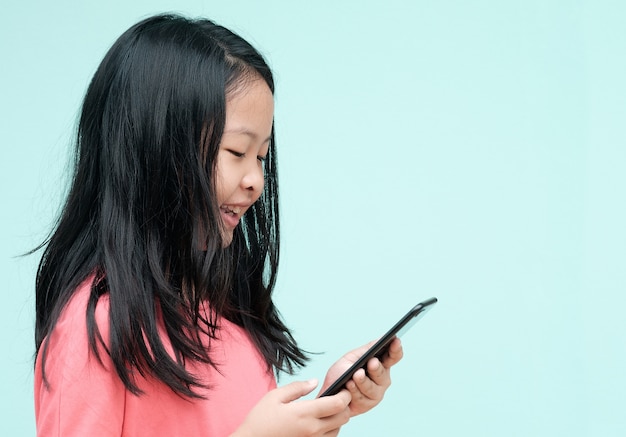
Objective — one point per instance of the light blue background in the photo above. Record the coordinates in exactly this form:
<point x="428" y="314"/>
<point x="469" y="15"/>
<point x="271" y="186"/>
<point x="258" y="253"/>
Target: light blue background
<point x="469" y="150"/>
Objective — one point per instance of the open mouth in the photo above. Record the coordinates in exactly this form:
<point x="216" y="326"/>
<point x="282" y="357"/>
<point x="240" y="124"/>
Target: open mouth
<point x="234" y="211"/>
<point x="231" y="214"/>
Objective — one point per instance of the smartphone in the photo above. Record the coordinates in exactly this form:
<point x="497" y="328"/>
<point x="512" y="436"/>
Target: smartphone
<point x="379" y="348"/>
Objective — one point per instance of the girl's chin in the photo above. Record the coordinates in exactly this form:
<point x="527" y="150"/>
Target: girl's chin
<point x="227" y="238"/>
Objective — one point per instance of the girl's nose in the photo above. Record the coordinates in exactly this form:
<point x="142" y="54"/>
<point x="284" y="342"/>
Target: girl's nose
<point x="254" y="178"/>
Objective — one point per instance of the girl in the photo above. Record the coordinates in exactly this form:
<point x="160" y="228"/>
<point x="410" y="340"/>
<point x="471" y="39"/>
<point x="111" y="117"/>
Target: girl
<point x="154" y="292"/>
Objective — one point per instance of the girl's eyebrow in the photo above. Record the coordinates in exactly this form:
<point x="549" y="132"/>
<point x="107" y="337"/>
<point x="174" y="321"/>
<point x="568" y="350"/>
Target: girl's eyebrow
<point x="245" y="131"/>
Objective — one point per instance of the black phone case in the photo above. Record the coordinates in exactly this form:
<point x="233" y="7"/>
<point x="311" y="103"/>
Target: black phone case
<point x="380" y="347"/>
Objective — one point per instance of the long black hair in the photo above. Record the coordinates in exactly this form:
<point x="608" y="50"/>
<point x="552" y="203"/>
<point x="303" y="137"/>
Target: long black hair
<point x="142" y="218"/>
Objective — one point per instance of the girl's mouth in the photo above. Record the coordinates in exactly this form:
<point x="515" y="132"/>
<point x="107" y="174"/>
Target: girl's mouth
<point x="230" y="215"/>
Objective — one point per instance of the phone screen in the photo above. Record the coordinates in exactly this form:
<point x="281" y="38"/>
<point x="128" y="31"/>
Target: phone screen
<point x="380" y="347"/>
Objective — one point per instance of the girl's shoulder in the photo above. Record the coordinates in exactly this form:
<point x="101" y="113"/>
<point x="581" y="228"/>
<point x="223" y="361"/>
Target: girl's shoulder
<point x="69" y="338"/>
<point x="73" y="318"/>
<point x="80" y="390"/>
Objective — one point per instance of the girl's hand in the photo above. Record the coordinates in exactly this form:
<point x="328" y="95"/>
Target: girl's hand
<point x="277" y="414"/>
<point x="366" y="389"/>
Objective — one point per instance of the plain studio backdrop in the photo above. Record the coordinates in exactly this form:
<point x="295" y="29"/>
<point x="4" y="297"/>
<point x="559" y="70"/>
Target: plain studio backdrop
<point x="469" y="150"/>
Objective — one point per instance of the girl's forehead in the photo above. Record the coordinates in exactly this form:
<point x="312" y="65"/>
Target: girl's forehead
<point x="244" y="82"/>
<point x="250" y="111"/>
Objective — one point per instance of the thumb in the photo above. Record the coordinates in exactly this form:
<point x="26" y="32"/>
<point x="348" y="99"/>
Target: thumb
<point x="296" y="390"/>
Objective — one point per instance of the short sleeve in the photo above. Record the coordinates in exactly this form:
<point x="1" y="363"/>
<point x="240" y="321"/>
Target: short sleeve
<point x="82" y="396"/>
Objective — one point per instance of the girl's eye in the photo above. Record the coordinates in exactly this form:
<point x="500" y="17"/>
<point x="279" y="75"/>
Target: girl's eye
<point x="262" y="158"/>
<point x="237" y="154"/>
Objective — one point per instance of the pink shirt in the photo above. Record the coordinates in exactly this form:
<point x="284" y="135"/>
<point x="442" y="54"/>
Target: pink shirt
<point x="88" y="399"/>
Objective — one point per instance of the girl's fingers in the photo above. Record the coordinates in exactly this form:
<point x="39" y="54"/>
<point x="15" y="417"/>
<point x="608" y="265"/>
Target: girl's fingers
<point x="328" y="413"/>
<point x="367" y="386"/>
<point x="338" y="419"/>
<point x="295" y="390"/>
<point x="329" y="406"/>
<point x="394" y="353"/>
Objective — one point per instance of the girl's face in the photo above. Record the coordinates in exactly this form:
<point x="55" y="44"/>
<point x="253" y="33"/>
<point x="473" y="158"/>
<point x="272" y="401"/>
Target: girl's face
<point x="244" y="146"/>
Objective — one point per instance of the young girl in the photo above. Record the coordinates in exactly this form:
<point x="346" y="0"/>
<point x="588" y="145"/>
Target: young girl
<point x="154" y="293"/>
